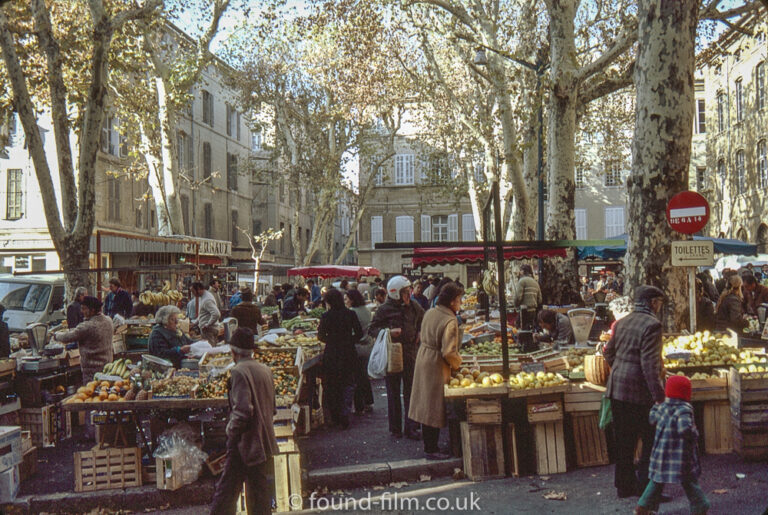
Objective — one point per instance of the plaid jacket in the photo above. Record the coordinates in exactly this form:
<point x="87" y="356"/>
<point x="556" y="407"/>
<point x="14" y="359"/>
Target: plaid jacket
<point x="675" y="456"/>
<point x="634" y="353"/>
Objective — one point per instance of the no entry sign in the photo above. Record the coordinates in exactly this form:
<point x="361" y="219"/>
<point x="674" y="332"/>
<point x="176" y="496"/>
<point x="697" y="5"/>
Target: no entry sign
<point x="688" y="212"/>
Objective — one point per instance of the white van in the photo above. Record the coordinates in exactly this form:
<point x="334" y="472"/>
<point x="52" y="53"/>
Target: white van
<point x="31" y="299"/>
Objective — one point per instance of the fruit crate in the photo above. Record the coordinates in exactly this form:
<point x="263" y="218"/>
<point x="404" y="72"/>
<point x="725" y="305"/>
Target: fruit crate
<point x="717" y="428"/>
<point x="748" y="394"/>
<point x="104" y="469"/>
<point x="288" y="492"/>
<point x="482" y="449"/>
<point x="537" y="392"/>
<point x="583" y="397"/>
<point x="479" y="391"/>
<point x="589" y="440"/>
<point x="46" y="425"/>
<point x="484" y="411"/>
<point x="549" y="443"/>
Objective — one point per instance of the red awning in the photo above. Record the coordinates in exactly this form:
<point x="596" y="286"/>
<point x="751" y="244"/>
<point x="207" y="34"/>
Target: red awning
<point x="452" y="255"/>
<point x="327" y="271"/>
<point x="204" y="260"/>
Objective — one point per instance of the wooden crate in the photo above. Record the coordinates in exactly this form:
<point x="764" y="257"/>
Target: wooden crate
<point x="487" y="391"/>
<point x="103" y="469"/>
<point x="28" y="466"/>
<point x="41" y="424"/>
<point x="589" y="439"/>
<point x="484" y="411"/>
<point x="748" y="395"/>
<point x="171" y="475"/>
<point x="582" y="397"/>
<point x="710" y="389"/>
<point x="750" y="445"/>
<point x="550" y="447"/>
<point x="483" y="450"/>
<point x="544" y="409"/>
<point x="718" y="430"/>
<point x="288" y="481"/>
<point x="538" y="392"/>
<point x="556" y="364"/>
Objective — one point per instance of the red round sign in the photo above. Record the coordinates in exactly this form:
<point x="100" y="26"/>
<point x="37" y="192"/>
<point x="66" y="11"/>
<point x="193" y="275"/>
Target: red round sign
<point x="688" y="212"/>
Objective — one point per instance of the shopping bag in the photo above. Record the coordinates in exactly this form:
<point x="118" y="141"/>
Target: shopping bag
<point x="377" y="363"/>
<point x="606" y="415"/>
<point x="394" y="358"/>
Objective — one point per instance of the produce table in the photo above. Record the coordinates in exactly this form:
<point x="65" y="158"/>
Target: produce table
<point x="150" y="404"/>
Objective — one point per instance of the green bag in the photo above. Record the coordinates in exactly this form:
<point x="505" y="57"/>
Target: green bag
<point x="606" y="415"/>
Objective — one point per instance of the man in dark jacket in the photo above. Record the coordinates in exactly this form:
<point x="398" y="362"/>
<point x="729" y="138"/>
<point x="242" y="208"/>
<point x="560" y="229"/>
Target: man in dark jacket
<point x="294" y="305"/>
<point x="118" y="301"/>
<point x="754" y="294"/>
<point x="634" y="385"/>
<point x="251" y="439"/>
<point x="74" y="310"/>
<point x="557" y="325"/>
<point x="403" y="318"/>
<point x="247" y="313"/>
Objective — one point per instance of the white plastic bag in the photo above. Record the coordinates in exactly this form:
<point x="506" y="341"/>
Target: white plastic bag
<point x="377" y="364"/>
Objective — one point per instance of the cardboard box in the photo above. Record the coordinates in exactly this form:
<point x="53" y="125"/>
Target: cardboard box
<point x="10" y="481"/>
<point x="10" y="446"/>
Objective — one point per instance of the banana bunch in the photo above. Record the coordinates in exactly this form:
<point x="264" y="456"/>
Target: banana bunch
<point x="118" y="368"/>
<point x="490" y="282"/>
<point x="160" y="299"/>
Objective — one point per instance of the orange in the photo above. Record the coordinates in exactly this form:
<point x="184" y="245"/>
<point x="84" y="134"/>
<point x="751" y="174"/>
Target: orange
<point x="88" y="391"/>
<point x="118" y="383"/>
<point x="112" y="397"/>
<point x="104" y="384"/>
<point x="81" y="389"/>
<point x="103" y="395"/>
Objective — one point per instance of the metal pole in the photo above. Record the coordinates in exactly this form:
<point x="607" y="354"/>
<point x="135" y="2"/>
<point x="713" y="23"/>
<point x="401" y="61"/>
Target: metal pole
<point x="692" y="298"/>
<point x="540" y="137"/>
<point x="502" y="284"/>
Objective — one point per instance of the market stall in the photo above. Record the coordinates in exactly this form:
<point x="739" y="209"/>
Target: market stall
<point x="330" y="271"/>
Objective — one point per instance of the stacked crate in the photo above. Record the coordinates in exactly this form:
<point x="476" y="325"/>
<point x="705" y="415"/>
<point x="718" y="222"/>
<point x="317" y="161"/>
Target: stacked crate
<point x="545" y="414"/>
<point x="482" y="440"/>
<point x="582" y="404"/>
<point x="748" y="395"/>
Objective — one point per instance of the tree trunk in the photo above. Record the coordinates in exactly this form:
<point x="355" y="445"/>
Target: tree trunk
<point x="73" y="255"/>
<point x="560" y="280"/>
<point x="295" y="234"/>
<point x="530" y="176"/>
<point x="172" y="222"/>
<point x="662" y="146"/>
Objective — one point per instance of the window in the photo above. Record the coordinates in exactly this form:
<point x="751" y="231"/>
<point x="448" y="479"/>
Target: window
<point x="721" y="173"/>
<point x="440" y="228"/>
<point x="282" y="240"/>
<point x="139" y="219"/>
<point x="207" y="108"/>
<point x="378" y="176"/>
<point x="453" y="227"/>
<point x="113" y="198"/>
<point x="479" y="171"/>
<point x="438" y="168"/>
<point x="701" y="178"/>
<point x="760" y="86"/>
<point x="13" y="128"/>
<point x="721" y="112"/>
<point x="581" y="223"/>
<point x="14" y="195"/>
<point x="612" y="173"/>
<point x="207" y="161"/>
<point x="741" y="179"/>
<point x="309" y="237"/>
<point x="184" y="152"/>
<point x="232" y="172"/>
<point x="235" y="230"/>
<point x="404" y="169"/>
<point x="579" y="178"/>
<point x="739" y="100"/>
<point x="614" y="221"/>
<point x="112" y="142"/>
<point x="208" y="221"/>
<point x="256" y="141"/>
<point x="426" y="228"/>
<point x="185" y="213"/>
<point x="762" y="163"/>
<point x="256" y="227"/>
<point x="468" y="228"/>
<point x="231" y="121"/>
<point x="404" y="228"/>
<point x="377" y="230"/>
<point x="701" y="115"/>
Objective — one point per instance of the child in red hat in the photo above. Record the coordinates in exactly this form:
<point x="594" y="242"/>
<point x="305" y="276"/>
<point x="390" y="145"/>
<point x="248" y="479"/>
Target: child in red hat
<point x="675" y="457"/>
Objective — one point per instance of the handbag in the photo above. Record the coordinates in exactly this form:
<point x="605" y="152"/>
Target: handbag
<point x="606" y="413"/>
<point x="394" y="357"/>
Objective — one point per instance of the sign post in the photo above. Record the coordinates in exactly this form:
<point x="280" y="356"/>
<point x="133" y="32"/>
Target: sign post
<point x="688" y="213"/>
<point x="690" y="254"/>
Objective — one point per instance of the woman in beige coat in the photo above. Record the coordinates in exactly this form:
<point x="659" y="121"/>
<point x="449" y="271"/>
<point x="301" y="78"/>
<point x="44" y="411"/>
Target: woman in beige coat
<point x="438" y="354"/>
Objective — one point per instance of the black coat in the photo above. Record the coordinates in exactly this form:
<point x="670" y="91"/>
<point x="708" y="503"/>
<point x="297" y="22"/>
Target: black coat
<point x="166" y="344"/>
<point x="394" y="314"/>
<point x="5" y="340"/>
<point x="340" y="329"/>
<point x="74" y="314"/>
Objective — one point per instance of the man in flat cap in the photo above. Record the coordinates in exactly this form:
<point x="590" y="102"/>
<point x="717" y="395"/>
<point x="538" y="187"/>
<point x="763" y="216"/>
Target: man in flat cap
<point x="634" y="385"/>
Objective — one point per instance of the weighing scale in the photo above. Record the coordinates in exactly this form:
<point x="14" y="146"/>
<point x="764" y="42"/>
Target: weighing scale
<point x="581" y="323"/>
<point x="36" y="363"/>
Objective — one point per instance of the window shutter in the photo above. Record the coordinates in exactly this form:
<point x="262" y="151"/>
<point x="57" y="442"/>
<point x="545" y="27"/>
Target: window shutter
<point x="453" y="227"/>
<point x="426" y="228"/>
<point x="468" y="227"/>
<point x="377" y="232"/>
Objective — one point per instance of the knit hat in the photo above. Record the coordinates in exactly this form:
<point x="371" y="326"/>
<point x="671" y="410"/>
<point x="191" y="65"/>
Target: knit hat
<point x="242" y="338"/>
<point x="644" y="294"/>
<point x="678" y="387"/>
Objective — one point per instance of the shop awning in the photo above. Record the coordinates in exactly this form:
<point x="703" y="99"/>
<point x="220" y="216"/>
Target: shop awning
<point x="327" y="271"/>
<point x="448" y="256"/>
<point x="722" y="246"/>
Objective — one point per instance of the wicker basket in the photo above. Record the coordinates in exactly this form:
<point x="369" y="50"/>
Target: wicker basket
<point x="596" y="369"/>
